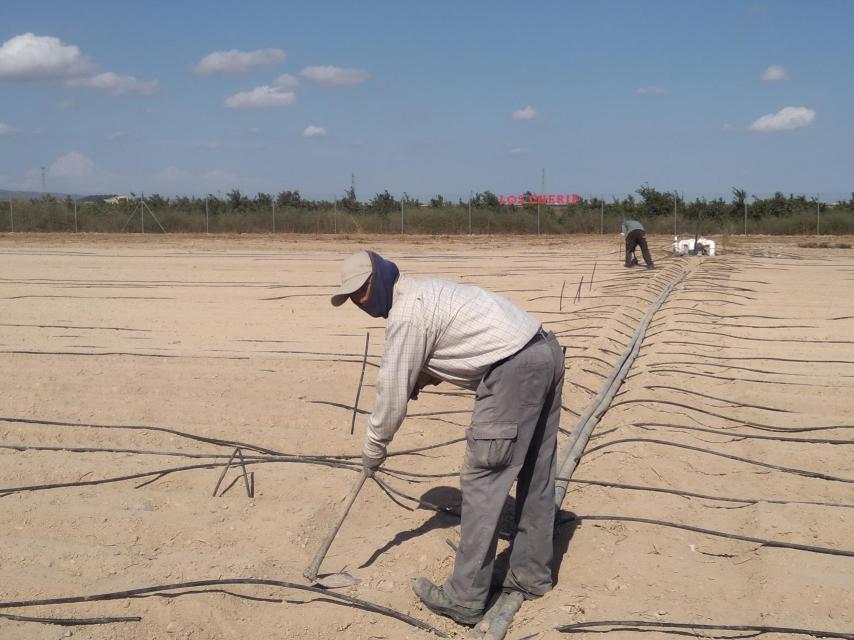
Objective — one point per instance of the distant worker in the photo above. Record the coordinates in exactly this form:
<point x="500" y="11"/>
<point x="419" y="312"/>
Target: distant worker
<point x="636" y="236"/>
<point x="478" y="340"/>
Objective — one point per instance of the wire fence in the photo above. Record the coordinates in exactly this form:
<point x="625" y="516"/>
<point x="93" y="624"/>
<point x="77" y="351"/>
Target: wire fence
<point x="590" y="216"/>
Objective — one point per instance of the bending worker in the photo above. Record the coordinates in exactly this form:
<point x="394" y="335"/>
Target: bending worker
<point x="440" y="331"/>
<point x="636" y="236"/>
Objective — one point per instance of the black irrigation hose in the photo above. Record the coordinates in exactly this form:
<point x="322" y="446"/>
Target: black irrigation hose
<point x="693" y="343"/>
<point x="717" y="534"/>
<point x="729" y="335"/>
<point x="691" y="311"/>
<point x="424" y="504"/>
<point x="423" y="414"/>
<point x="740" y="436"/>
<point x="717" y="285"/>
<point x="582" y="387"/>
<point x="66" y="326"/>
<point x="142" y="452"/>
<point x="747" y="326"/>
<point x="70" y="622"/>
<point x="703" y="395"/>
<point x="156" y="475"/>
<point x="233" y="444"/>
<point x="799" y="360"/>
<point x="726" y="378"/>
<point x="754" y="425"/>
<point x="598" y="373"/>
<point x="719" y="292"/>
<point x="625" y="295"/>
<point x="589" y="357"/>
<point x="707" y="300"/>
<point x="647" y="625"/>
<point x="689" y="494"/>
<point x="26" y="352"/>
<point x="120" y="595"/>
<point x="799" y="472"/>
<point x="184" y="454"/>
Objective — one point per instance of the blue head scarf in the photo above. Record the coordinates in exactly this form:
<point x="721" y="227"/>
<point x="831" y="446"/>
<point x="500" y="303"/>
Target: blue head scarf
<point x="384" y="276"/>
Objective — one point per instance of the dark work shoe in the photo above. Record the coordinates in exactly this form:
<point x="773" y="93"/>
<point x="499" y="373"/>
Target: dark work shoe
<point x="650" y="266"/>
<point x="527" y="595"/>
<point x="438" y="602"/>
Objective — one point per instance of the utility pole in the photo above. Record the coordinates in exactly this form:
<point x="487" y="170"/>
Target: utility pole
<point x="675" y="197"/>
<point x="817" y="215"/>
<point x="602" y="216"/>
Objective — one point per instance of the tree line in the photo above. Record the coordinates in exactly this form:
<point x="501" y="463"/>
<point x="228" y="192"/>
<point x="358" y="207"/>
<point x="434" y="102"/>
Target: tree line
<point x="289" y="211"/>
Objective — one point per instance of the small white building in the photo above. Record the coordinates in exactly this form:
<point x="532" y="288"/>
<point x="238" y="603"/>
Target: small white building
<point x="117" y="199"/>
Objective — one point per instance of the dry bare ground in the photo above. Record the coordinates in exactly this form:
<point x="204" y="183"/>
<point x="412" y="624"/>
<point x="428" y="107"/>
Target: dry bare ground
<point x="742" y="390"/>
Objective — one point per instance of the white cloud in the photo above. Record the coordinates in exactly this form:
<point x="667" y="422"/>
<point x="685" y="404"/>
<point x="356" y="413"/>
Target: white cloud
<point x="32" y="57"/>
<point x="234" y="61"/>
<point x="286" y="81"/>
<point x="775" y="73"/>
<point x="72" y="165"/>
<point x="727" y="127"/>
<point x="7" y="130"/>
<point x="261" y="97"/>
<point x="65" y="104"/>
<point x="518" y="151"/>
<point x="651" y="90"/>
<point x="312" y="131"/>
<point x="785" y="119"/>
<point x="333" y="76"/>
<point x="116" y="85"/>
<point x="528" y="113"/>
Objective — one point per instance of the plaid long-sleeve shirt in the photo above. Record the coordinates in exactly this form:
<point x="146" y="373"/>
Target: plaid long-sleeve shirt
<point x="450" y="331"/>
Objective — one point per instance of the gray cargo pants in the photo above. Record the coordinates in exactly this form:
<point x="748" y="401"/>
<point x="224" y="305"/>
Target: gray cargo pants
<point x="513" y="434"/>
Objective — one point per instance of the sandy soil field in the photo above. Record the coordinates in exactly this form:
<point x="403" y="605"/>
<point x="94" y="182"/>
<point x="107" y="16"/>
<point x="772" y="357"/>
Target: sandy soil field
<point x="136" y="356"/>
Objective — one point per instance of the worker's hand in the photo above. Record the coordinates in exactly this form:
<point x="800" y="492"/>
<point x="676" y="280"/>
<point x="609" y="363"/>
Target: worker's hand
<point x="369" y="464"/>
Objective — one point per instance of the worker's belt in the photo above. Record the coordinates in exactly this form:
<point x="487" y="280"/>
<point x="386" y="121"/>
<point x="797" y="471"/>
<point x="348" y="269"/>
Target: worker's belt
<point x="542" y="334"/>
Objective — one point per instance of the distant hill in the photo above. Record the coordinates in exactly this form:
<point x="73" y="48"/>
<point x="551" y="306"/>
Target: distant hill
<point x="5" y="194"/>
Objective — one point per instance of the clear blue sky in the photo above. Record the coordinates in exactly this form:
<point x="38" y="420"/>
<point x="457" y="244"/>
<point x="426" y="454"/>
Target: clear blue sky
<point x="428" y="97"/>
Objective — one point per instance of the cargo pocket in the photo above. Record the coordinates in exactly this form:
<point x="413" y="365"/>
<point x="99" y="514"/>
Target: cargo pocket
<point x="491" y="445"/>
